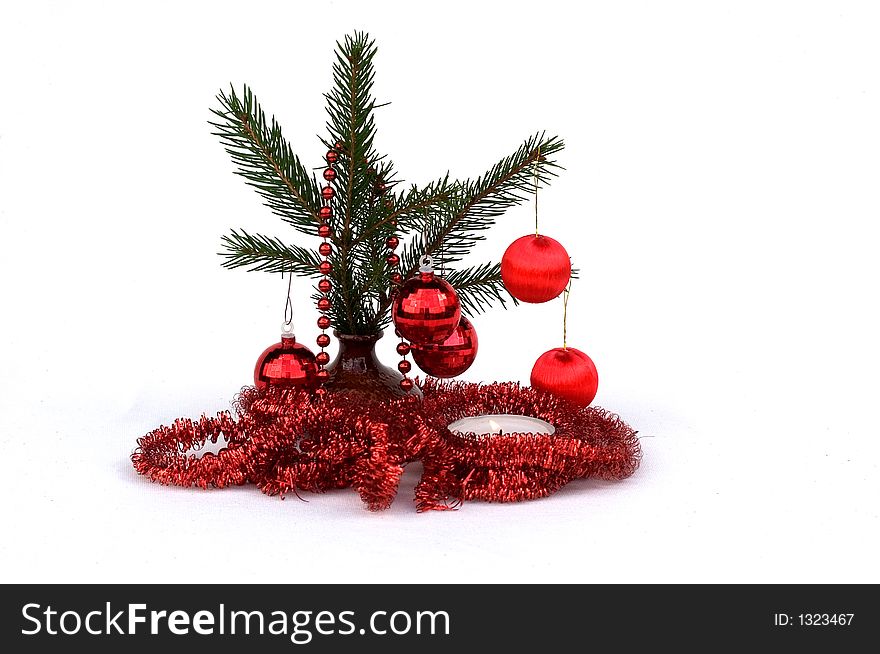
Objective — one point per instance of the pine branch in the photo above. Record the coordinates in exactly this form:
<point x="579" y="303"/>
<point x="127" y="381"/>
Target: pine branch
<point x="479" y="287"/>
<point x="476" y="204"/>
<point x="263" y="253"/>
<point x="265" y="159"/>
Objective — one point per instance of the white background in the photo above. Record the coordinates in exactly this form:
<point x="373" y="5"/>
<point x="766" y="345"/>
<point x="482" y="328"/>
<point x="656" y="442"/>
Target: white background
<point x="721" y="198"/>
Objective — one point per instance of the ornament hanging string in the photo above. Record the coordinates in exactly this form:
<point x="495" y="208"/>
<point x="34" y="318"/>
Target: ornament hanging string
<point x="565" y="295"/>
<point x="535" y="170"/>
<point x="288" y="303"/>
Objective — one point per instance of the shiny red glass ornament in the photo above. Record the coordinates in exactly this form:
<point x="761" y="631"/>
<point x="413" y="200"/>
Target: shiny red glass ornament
<point x="567" y="373"/>
<point x="327" y="192"/>
<point x="287" y="363"/>
<point x="332" y="156"/>
<point x="324" y="286"/>
<point x="535" y="268"/>
<point x="396" y="278"/>
<point x="329" y="174"/>
<point x="324" y="231"/>
<point x="393" y="260"/>
<point x="323" y="322"/>
<point x="406" y="384"/>
<point x="426" y="309"/>
<point x="324" y="304"/>
<point x="324" y="267"/>
<point x="325" y="249"/>
<point x="322" y="358"/>
<point x="403" y="349"/>
<point x="325" y="213"/>
<point x="451" y="357"/>
<point x="404" y="366"/>
<point x="323" y="340"/>
<point x="392" y="242"/>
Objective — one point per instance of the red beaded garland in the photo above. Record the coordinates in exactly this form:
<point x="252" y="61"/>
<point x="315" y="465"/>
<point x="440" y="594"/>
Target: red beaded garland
<point x="325" y="213"/>
<point x="338" y="146"/>
<point x="324" y="285"/>
<point x="392" y="242"/>
<point x="327" y="192"/>
<point x="323" y="340"/>
<point x="325" y="249"/>
<point x="535" y="268"/>
<point x="406" y="384"/>
<point x="324" y="268"/>
<point x="332" y="156"/>
<point x="404" y="366"/>
<point x="324" y="304"/>
<point x="426" y="309"/>
<point x="324" y="231"/>
<point x="393" y="260"/>
<point x="451" y="357"/>
<point x="323" y="322"/>
<point x="329" y="174"/>
<point x="567" y="373"/>
<point x="322" y="358"/>
<point x="403" y="348"/>
<point x="287" y="363"/>
<point x="322" y="375"/>
<point x="396" y="278"/>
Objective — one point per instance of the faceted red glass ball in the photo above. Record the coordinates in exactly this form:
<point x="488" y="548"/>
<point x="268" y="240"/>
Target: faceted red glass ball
<point x="535" y="268"/>
<point x="325" y="249"/>
<point x="329" y="174"/>
<point x="426" y="309"/>
<point x="324" y="267"/>
<point x="324" y="304"/>
<point x="324" y="286"/>
<point x="323" y="340"/>
<point x="325" y="213"/>
<point x="403" y="349"/>
<point x="567" y="373"/>
<point x="404" y="366"/>
<point x="324" y="231"/>
<point x="451" y="357"/>
<point x="323" y="322"/>
<point x="392" y="242"/>
<point x="393" y="260"/>
<point x="406" y="384"/>
<point x="327" y="192"/>
<point x="322" y="358"/>
<point x="332" y="156"/>
<point x="286" y="364"/>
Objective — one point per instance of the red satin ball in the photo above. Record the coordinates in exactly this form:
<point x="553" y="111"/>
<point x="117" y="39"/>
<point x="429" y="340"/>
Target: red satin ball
<point x="393" y="260"/>
<point x="323" y="340"/>
<point x="323" y="322"/>
<point x="324" y="304"/>
<point x="406" y="384"/>
<point x="451" y="357"/>
<point x="324" y="268"/>
<point x="324" y="286"/>
<point x="535" y="268"/>
<point x="327" y="192"/>
<point x="329" y="174"/>
<point x="286" y="364"/>
<point x="322" y="358"/>
<point x="568" y="373"/>
<point x="325" y="249"/>
<point x="403" y="349"/>
<point x="426" y="309"/>
<point x="404" y="366"/>
<point x="332" y="156"/>
<point x="392" y="242"/>
<point x="324" y="231"/>
<point x="325" y="213"/>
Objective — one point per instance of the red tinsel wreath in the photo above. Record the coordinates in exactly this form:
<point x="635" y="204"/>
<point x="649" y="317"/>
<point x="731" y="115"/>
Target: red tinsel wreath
<point x="288" y="440"/>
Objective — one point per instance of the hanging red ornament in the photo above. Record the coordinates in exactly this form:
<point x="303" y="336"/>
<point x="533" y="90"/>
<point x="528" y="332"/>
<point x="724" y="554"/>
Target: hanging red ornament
<point x="567" y="373"/>
<point x="451" y="357"/>
<point x="426" y="309"/>
<point x="535" y="268"/>
<point x="287" y="363"/>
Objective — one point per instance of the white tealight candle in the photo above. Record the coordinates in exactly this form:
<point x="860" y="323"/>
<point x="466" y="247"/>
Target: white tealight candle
<point x="501" y="423"/>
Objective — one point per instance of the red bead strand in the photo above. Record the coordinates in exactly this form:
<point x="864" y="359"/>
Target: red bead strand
<point x="325" y="249"/>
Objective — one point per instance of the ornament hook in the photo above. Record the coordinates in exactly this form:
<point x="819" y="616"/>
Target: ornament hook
<point x="426" y="264"/>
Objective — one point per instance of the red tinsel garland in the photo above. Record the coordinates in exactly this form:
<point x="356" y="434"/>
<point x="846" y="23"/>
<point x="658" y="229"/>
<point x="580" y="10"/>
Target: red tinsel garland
<point x="289" y="440"/>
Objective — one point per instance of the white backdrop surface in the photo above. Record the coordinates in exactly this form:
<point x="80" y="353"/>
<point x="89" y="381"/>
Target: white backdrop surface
<point x="720" y="198"/>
